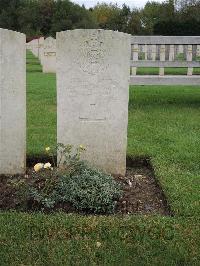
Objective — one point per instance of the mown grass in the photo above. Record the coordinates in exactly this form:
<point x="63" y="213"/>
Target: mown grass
<point x="41" y="108"/>
<point x="164" y="124"/>
<point x="59" y="239"/>
<point x="168" y="71"/>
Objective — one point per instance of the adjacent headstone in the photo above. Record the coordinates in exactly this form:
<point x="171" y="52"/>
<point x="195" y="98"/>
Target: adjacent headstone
<point x="41" y="49"/>
<point x="35" y="47"/>
<point x="31" y="46"/>
<point x="28" y="46"/>
<point x="49" y="59"/>
<point x="93" y="91"/>
<point x="12" y="102"/>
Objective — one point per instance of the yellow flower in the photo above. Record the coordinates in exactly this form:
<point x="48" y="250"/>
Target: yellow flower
<point x="47" y="166"/>
<point x="98" y="244"/>
<point x="47" y="148"/>
<point x="82" y="147"/>
<point x="38" y="167"/>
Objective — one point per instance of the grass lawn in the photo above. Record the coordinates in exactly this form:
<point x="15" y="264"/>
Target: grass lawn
<point x="41" y="108"/>
<point x="164" y="124"/>
<point x="168" y="71"/>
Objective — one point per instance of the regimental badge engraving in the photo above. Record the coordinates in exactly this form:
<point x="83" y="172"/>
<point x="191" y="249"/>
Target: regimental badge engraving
<point x="91" y="54"/>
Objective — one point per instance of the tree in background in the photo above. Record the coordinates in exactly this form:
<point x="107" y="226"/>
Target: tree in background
<point x="109" y="16"/>
<point x="135" y="25"/>
<point x="43" y="17"/>
<point x="68" y="16"/>
<point x="35" y="17"/>
<point x="106" y="15"/>
<point x="189" y="9"/>
<point x="154" y="12"/>
<point x="46" y="17"/>
<point x="185" y="19"/>
<point x="8" y="14"/>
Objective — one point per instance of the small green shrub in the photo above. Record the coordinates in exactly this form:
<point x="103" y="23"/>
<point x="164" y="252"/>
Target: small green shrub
<point x="71" y="181"/>
<point x="39" y="189"/>
<point x="42" y="189"/>
<point x="90" y="191"/>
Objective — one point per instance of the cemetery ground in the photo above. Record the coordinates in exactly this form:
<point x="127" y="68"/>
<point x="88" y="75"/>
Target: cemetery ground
<point x="164" y="128"/>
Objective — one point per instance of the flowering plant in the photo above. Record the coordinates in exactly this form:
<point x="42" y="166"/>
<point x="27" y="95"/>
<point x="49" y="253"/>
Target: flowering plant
<point x="67" y="158"/>
<point x="42" y="190"/>
<point x="67" y="181"/>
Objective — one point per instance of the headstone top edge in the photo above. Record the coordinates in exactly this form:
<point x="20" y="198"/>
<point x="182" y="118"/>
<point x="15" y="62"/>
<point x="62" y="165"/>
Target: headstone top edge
<point x="123" y="34"/>
<point x="12" y="31"/>
<point x="50" y="37"/>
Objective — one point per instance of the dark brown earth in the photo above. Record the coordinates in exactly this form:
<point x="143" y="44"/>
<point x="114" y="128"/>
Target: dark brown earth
<point x="142" y="192"/>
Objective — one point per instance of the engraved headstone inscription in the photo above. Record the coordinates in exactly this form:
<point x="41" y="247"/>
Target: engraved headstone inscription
<point x="93" y="69"/>
<point x="49" y="56"/>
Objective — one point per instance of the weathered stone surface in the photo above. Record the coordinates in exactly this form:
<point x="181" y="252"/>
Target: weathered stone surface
<point x="49" y="59"/>
<point x="93" y="69"/>
<point x="28" y="46"/>
<point x="41" y="49"/>
<point x="12" y="102"/>
<point x="35" y="47"/>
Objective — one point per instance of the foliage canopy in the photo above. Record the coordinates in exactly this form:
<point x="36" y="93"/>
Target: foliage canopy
<point x="46" y="17"/>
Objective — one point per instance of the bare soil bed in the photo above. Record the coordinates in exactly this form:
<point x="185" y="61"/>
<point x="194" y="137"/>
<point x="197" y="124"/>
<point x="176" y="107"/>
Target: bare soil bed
<point x="142" y="192"/>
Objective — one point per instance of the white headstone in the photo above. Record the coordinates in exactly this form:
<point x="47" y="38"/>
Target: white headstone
<point x="12" y="102"/>
<point x="49" y="59"/>
<point x="41" y="49"/>
<point x="31" y="45"/>
<point x="93" y="70"/>
<point x="28" y="46"/>
<point x="35" y="47"/>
